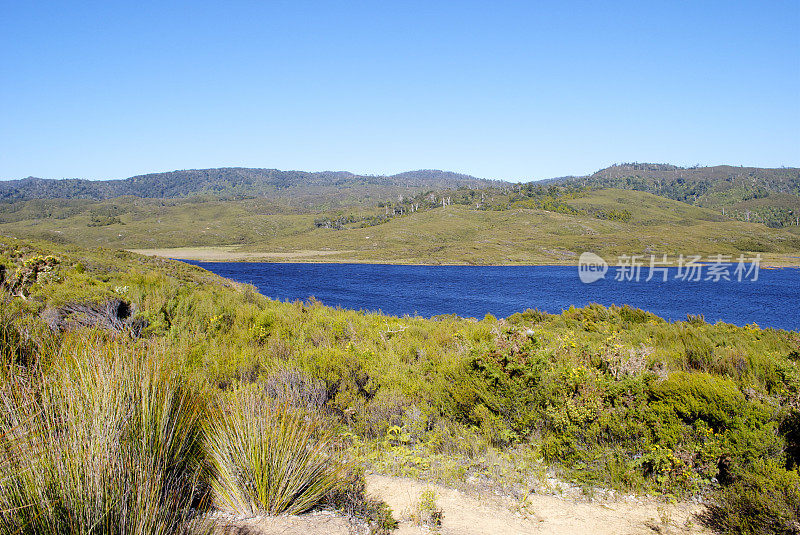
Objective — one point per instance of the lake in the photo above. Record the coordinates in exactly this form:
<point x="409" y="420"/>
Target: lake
<point x="474" y="291"/>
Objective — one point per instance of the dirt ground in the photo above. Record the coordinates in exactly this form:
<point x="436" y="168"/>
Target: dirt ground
<point x="229" y="254"/>
<point x="465" y="514"/>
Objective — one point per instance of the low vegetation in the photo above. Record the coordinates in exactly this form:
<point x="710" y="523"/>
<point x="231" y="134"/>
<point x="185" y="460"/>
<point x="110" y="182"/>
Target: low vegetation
<point x="97" y="438"/>
<point x="612" y="398"/>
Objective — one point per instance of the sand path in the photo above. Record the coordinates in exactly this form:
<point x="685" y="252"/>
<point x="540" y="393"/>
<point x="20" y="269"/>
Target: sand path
<point x="466" y="514"/>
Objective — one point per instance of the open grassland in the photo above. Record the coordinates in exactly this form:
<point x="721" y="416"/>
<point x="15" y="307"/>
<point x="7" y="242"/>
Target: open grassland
<point x="607" y="222"/>
<point x="138" y="392"/>
<point x="130" y="222"/>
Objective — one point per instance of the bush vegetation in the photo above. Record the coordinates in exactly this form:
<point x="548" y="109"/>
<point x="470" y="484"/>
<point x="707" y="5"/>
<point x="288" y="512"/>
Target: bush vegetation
<point x="608" y="397"/>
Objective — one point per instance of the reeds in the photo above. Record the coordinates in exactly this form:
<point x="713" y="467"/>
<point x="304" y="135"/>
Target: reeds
<point x="106" y="441"/>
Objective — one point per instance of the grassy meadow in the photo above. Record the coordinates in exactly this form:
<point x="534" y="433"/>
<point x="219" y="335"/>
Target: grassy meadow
<point x="505" y="228"/>
<point x="140" y="394"/>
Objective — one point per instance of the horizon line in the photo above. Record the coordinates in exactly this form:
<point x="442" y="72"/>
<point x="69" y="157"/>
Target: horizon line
<point x="388" y="175"/>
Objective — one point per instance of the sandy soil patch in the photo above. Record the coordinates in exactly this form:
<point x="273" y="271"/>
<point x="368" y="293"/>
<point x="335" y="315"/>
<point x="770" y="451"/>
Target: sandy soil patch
<point x="230" y="254"/>
<point x="466" y="514"/>
<point x="472" y="515"/>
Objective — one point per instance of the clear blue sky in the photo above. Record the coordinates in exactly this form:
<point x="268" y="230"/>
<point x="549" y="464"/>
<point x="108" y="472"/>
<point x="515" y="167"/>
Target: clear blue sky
<point x="512" y="90"/>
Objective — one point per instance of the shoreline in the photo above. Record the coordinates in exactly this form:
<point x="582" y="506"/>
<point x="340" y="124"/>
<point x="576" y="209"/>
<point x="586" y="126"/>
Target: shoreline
<point x="227" y="253"/>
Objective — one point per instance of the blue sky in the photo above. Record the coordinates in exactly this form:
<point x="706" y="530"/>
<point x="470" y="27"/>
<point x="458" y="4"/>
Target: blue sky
<point x="511" y="90"/>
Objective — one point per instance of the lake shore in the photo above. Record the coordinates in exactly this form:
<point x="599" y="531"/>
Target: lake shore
<point x="235" y="253"/>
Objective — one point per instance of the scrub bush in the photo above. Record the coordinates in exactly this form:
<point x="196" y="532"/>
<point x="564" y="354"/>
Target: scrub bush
<point x="765" y="500"/>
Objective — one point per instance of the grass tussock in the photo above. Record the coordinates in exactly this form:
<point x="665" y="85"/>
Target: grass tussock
<point x="269" y="457"/>
<point x="103" y="441"/>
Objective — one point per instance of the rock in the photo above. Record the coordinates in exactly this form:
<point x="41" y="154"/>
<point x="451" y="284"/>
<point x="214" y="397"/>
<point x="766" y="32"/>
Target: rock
<point x="114" y="315"/>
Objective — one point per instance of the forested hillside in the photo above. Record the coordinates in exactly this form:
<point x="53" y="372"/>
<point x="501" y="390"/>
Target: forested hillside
<point x="721" y="187"/>
<point x="237" y="181"/>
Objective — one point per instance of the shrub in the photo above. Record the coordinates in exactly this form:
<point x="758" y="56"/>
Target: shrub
<point x="528" y="316"/>
<point x="764" y="500"/>
<point x="23" y="337"/>
<point x="426" y="511"/>
<point x="297" y="389"/>
<point x="268" y="457"/>
<point x="698" y="350"/>
<point x="700" y="396"/>
<point x="696" y="319"/>
<point x="790" y="429"/>
<point x="634" y="315"/>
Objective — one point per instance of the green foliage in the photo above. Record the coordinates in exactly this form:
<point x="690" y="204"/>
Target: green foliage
<point x="610" y="396"/>
<point x="765" y="500"/>
<point x="231" y="182"/>
<point x="104" y="221"/>
<point x="426" y="511"/>
<point x="701" y="396"/>
<point x="613" y="215"/>
<point x="768" y="196"/>
<point x="699" y="351"/>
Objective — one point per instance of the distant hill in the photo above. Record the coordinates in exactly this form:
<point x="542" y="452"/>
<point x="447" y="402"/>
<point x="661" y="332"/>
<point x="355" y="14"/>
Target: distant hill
<point x="232" y="181"/>
<point x="722" y="187"/>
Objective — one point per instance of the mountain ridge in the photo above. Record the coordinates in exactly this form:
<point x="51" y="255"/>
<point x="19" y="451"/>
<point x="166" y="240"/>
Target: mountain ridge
<point x="765" y="195"/>
<point x="227" y="180"/>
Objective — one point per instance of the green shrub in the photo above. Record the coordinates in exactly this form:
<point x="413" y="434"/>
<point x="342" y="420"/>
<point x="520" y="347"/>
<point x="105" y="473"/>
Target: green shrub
<point x="528" y="316"/>
<point x="765" y="500"/>
<point x="698" y="350"/>
<point x="700" y="396"/>
<point x="790" y="429"/>
<point x="634" y="315"/>
<point x="426" y="511"/>
<point x="23" y="336"/>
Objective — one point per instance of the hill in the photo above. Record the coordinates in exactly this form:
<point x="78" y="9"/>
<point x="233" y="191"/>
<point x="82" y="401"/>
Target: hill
<point x="515" y="227"/>
<point x="425" y="216"/>
<point x="241" y="182"/>
<point x="721" y="187"/>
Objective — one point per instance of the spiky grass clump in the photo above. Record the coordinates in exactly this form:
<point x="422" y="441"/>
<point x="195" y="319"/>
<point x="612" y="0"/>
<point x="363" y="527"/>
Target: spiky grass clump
<point x="104" y="442"/>
<point x="270" y="457"/>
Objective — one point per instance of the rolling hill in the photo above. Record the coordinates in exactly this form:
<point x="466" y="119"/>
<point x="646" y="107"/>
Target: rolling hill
<point x="609" y="222"/>
<point x="417" y="217"/>
<point x="721" y="187"/>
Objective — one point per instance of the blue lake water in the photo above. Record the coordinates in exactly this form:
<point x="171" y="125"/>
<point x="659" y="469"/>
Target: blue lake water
<point x="474" y="291"/>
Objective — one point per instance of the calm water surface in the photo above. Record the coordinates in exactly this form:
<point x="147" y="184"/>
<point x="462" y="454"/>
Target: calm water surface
<point x="474" y="291"/>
